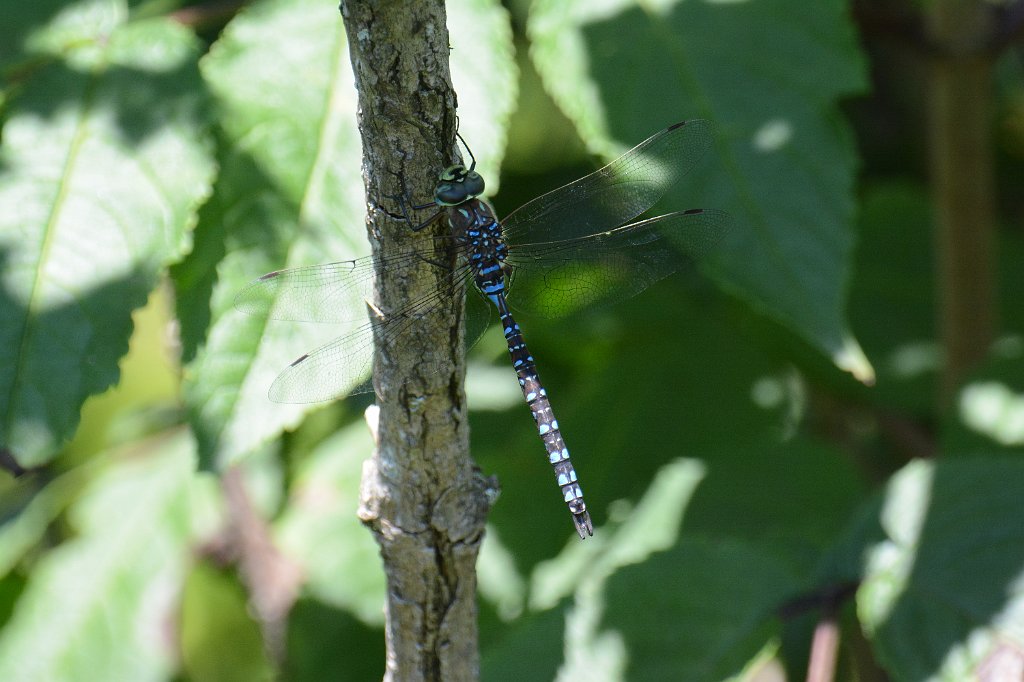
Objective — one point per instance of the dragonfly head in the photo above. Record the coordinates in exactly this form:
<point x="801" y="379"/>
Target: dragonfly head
<point x="457" y="184"/>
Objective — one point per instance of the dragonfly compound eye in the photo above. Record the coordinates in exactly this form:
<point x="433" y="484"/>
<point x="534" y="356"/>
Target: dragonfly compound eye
<point x="474" y="184"/>
<point x="456" y="185"/>
<point x="450" y="194"/>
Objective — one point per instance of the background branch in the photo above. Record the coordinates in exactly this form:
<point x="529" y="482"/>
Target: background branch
<point x="959" y="128"/>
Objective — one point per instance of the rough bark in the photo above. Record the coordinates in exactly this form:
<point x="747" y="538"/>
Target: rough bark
<point x="962" y="184"/>
<point x="421" y="496"/>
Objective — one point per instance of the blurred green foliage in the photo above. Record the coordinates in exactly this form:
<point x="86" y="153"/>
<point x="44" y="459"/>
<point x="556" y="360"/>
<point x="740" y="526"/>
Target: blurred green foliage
<point x="155" y="158"/>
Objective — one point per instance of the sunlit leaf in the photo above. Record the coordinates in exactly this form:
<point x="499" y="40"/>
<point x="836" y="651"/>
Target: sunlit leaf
<point x="291" y="194"/>
<point x="321" y="532"/>
<point x="485" y="78"/>
<point x="97" y="607"/>
<point x="102" y="166"/>
<point x="769" y="74"/>
<point x="943" y="595"/>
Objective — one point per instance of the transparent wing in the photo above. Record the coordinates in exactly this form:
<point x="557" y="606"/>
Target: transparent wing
<point x="328" y="292"/>
<point x="343" y="366"/>
<point x="615" y="194"/>
<point x="557" y="278"/>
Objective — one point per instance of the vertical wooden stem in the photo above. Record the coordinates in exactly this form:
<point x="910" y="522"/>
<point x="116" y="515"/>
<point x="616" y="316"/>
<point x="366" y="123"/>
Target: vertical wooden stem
<point x="421" y="496"/>
<point x="963" y="185"/>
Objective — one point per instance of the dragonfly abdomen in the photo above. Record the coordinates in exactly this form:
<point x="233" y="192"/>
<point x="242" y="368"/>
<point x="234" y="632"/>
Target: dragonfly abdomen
<point x="547" y="426"/>
<point x="473" y="222"/>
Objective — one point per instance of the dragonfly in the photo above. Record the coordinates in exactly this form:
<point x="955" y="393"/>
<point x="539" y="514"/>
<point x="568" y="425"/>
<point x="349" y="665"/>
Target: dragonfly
<point x="572" y="248"/>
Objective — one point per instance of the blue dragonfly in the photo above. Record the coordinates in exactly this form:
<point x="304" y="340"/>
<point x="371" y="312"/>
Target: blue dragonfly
<point x="571" y="248"/>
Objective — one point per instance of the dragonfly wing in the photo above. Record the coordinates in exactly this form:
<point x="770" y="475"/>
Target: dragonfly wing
<point x="615" y="194"/>
<point x="329" y="292"/>
<point x="335" y="370"/>
<point x="559" y="278"/>
<point x="479" y="316"/>
<point x="343" y="366"/>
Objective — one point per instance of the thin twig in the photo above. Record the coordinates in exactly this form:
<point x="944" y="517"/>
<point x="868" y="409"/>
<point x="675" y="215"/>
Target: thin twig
<point x="824" y="650"/>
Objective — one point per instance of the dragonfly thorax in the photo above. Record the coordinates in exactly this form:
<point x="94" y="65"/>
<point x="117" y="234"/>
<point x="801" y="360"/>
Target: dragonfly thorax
<point x="458" y="184"/>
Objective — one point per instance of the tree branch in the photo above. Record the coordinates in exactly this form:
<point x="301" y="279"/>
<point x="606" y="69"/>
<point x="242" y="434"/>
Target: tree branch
<point x="422" y="496"/>
<point x="962" y="185"/>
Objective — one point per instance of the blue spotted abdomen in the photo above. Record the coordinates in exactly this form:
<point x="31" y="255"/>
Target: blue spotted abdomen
<point x="547" y="426"/>
<point x="473" y="222"/>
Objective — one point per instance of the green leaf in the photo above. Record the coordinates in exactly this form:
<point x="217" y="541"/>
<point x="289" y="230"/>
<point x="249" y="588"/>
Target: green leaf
<point x="789" y="499"/>
<point x="702" y="611"/>
<point x="220" y="642"/>
<point x="892" y="297"/>
<point x="291" y="194"/>
<point x="95" y="607"/>
<point x="639" y="602"/>
<point x="636" y="532"/>
<point x="485" y="77"/>
<point x="320" y="531"/>
<point x="327" y="644"/>
<point x="532" y="649"/>
<point x="29" y="510"/>
<point x="36" y="29"/>
<point x="769" y="74"/>
<point x="625" y="410"/>
<point x="103" y="163"/>
<point x="943" y="596"/>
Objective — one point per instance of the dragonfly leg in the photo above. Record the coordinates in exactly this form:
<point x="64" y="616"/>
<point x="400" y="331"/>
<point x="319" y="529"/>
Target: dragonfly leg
<point x="406" y="218"/>
<point x="404" y="206"/>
